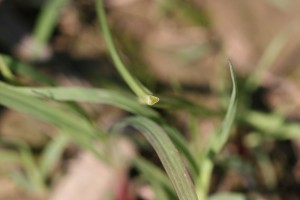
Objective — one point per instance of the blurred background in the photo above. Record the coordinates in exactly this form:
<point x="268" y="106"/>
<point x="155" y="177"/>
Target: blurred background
<point x="174" y="47"/>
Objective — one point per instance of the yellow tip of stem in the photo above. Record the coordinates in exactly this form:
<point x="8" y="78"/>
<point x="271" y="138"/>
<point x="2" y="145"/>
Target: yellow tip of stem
<point x="149" y="100"/>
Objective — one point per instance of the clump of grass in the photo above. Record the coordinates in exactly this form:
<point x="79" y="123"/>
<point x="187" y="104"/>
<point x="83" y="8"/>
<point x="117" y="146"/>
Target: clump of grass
<point x="166" y="140"/>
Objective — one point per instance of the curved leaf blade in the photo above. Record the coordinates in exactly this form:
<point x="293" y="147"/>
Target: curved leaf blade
<point x="91" y="95"/>
<point x="168" y="155"/>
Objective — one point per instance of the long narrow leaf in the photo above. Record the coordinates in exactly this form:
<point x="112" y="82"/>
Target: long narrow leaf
<point x="47" y="20"/>
<point x="153" y="172"/>
<point x="80" y="130"/>
<point x="5" y="71"/>
<point x="217" y="142"/>
<point x="229" y="117"/>
<point x="32" y="171"/>
<point x="52" y="153"/>
<point x="144" y="95"/>
<point x="168" y="155"/>
<point x="272" y="125"/>
<point x="25" y="70"/>
<point x="182" y="145"/>
<point x="124" y="101"/>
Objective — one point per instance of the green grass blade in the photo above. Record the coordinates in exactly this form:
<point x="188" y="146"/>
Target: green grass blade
<point x="223" y="136"/>
<point x="179" y="103"/>
<point x="168" y="155"/>
<point x="155" y="176"/>
<point x="160" y="192"/>
<point x="182" y="145"/>
<point x="21" y="180"/>
<point x="80" y="130"/>
<point x="152" y="171"/>
<point x="47" y="20"/>
<point x="33" y="174"/>
<point x="25" y="70"/>
<point x="144" y="95"/>
<point x="273" y="125"/>
<point x="5" y="71"/>
<point x="52" y="153"/>
<point x="41" y="110"/>
<point x="204" y="178"/>
<point x="217" y="142"/>
<point x="30" y="172"/>
<point x="122" y="100"/>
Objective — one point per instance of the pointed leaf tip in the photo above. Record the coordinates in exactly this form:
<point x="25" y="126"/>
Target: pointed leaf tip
<point x="151" y="100"/>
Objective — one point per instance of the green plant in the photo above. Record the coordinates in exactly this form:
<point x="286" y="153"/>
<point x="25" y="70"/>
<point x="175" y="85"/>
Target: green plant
<point x="72" y="125"/>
